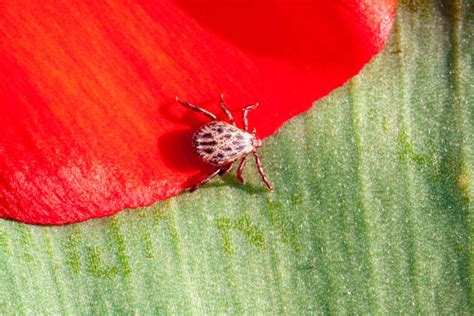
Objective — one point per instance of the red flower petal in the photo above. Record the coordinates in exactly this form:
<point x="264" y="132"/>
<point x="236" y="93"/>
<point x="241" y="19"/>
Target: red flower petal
<point x="88" y="121"/>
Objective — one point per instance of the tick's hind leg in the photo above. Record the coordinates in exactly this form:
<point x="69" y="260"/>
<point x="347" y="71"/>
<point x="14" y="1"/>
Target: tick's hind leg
<point x="222" y="171"/>
<point x="226" y="110"/>
<point x="196" y="108"/>
<point x="226" y="169"/>
<point x="205" y="180"/>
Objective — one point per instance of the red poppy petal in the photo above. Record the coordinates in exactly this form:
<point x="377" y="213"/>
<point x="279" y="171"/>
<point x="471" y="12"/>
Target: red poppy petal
<point x="88" y="121"/>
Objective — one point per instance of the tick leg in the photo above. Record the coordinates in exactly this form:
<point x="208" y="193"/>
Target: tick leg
<point x="226" y="110"/>
<point x="259" y="166"/>
<point x="240" y="169"/>
<point x="205" y="180"/>
<point x="196" y="108"/>
<point x="226" y="169"/>
<point x="246" y="110"/>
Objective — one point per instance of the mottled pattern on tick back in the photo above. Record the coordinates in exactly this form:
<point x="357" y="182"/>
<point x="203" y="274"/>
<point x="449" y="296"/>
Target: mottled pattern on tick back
<point x="219" y="143"/>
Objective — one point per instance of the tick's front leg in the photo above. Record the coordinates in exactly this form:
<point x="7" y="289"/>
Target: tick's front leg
<point x="245" y="112"/>
<point x="260" y="170"/>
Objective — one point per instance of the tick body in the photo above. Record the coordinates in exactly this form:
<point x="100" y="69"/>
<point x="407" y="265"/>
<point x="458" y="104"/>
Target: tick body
<point x="221" y="144"/>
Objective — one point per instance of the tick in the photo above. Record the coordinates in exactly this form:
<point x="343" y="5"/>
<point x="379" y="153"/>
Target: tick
<point x="221" y="144"/>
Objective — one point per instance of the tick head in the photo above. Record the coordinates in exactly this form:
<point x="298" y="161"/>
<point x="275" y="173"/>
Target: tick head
<point x="256" y="143"/>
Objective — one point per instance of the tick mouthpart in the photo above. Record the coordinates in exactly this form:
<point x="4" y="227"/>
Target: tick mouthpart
<point x="256" y="143"/>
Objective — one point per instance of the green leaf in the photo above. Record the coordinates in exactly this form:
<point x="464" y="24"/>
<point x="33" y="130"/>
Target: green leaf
<point x="372" y="213"/>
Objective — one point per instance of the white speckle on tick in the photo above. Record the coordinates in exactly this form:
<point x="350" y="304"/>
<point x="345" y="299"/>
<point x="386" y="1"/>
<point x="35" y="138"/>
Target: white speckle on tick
<point x="219" y="143"/>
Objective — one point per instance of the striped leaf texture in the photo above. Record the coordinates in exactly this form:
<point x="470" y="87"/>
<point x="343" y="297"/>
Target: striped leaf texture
<point x="372" y="212"/>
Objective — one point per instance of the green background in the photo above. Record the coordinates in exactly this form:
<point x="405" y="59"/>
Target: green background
<point x="372" y="213"/>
